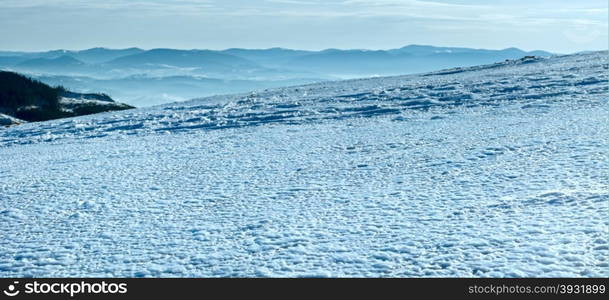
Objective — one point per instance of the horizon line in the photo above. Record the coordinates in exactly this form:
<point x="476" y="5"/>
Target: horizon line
<point x="286" y="48"/>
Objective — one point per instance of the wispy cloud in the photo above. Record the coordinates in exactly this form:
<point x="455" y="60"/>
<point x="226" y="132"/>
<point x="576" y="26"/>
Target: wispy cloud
<point x="273" y="22"/>
<point x="296" y="2"/>
<point x="129" y="5"/>
<point x="416" y="9"/>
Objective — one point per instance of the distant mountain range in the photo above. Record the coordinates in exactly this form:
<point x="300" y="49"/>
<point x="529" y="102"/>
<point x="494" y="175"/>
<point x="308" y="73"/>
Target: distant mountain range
<point x="91" y="56"/>
<point x="235" y="70"/>
<point x="413" y="58"/>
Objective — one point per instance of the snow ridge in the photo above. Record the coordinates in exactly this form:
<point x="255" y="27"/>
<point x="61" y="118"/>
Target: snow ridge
<point x="532" y="82"/>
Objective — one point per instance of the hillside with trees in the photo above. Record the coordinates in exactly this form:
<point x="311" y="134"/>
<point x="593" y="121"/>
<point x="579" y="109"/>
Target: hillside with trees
<point x="30" y="100"/>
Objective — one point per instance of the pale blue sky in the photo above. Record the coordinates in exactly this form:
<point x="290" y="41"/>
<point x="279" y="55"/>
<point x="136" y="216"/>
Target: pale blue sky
<point x="556" y="25"/>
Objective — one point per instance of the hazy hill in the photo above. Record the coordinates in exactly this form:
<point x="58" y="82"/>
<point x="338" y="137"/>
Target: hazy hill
<point x="207" y="59"/>
<point x="102" y="55"/>
<point x="272" y="57"/>
<point x="90" y="56"/>
<point x="11" y="60"/>
<point x="352" y="63"/>
<point x="64" y="63"/>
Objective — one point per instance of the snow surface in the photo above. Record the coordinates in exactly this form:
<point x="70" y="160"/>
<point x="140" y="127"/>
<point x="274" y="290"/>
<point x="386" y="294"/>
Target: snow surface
<point x="71" y="104"/>
<point x="6" y="120"/>
<point x="497" y="170"/>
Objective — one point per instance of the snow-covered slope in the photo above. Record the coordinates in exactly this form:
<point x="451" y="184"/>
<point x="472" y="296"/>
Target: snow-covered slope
<point x="497" y="170"/>
<point x="6" y="120"/>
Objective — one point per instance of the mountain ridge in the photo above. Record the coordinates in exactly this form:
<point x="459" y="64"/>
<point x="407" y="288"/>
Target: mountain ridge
<point x="90" y="53"/>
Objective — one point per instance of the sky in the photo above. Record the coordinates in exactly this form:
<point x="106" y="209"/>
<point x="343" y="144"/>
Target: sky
<point x="560" y="26"/>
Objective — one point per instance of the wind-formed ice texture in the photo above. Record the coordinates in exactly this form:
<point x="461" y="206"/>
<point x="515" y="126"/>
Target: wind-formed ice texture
<point x="498" y="170"/>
